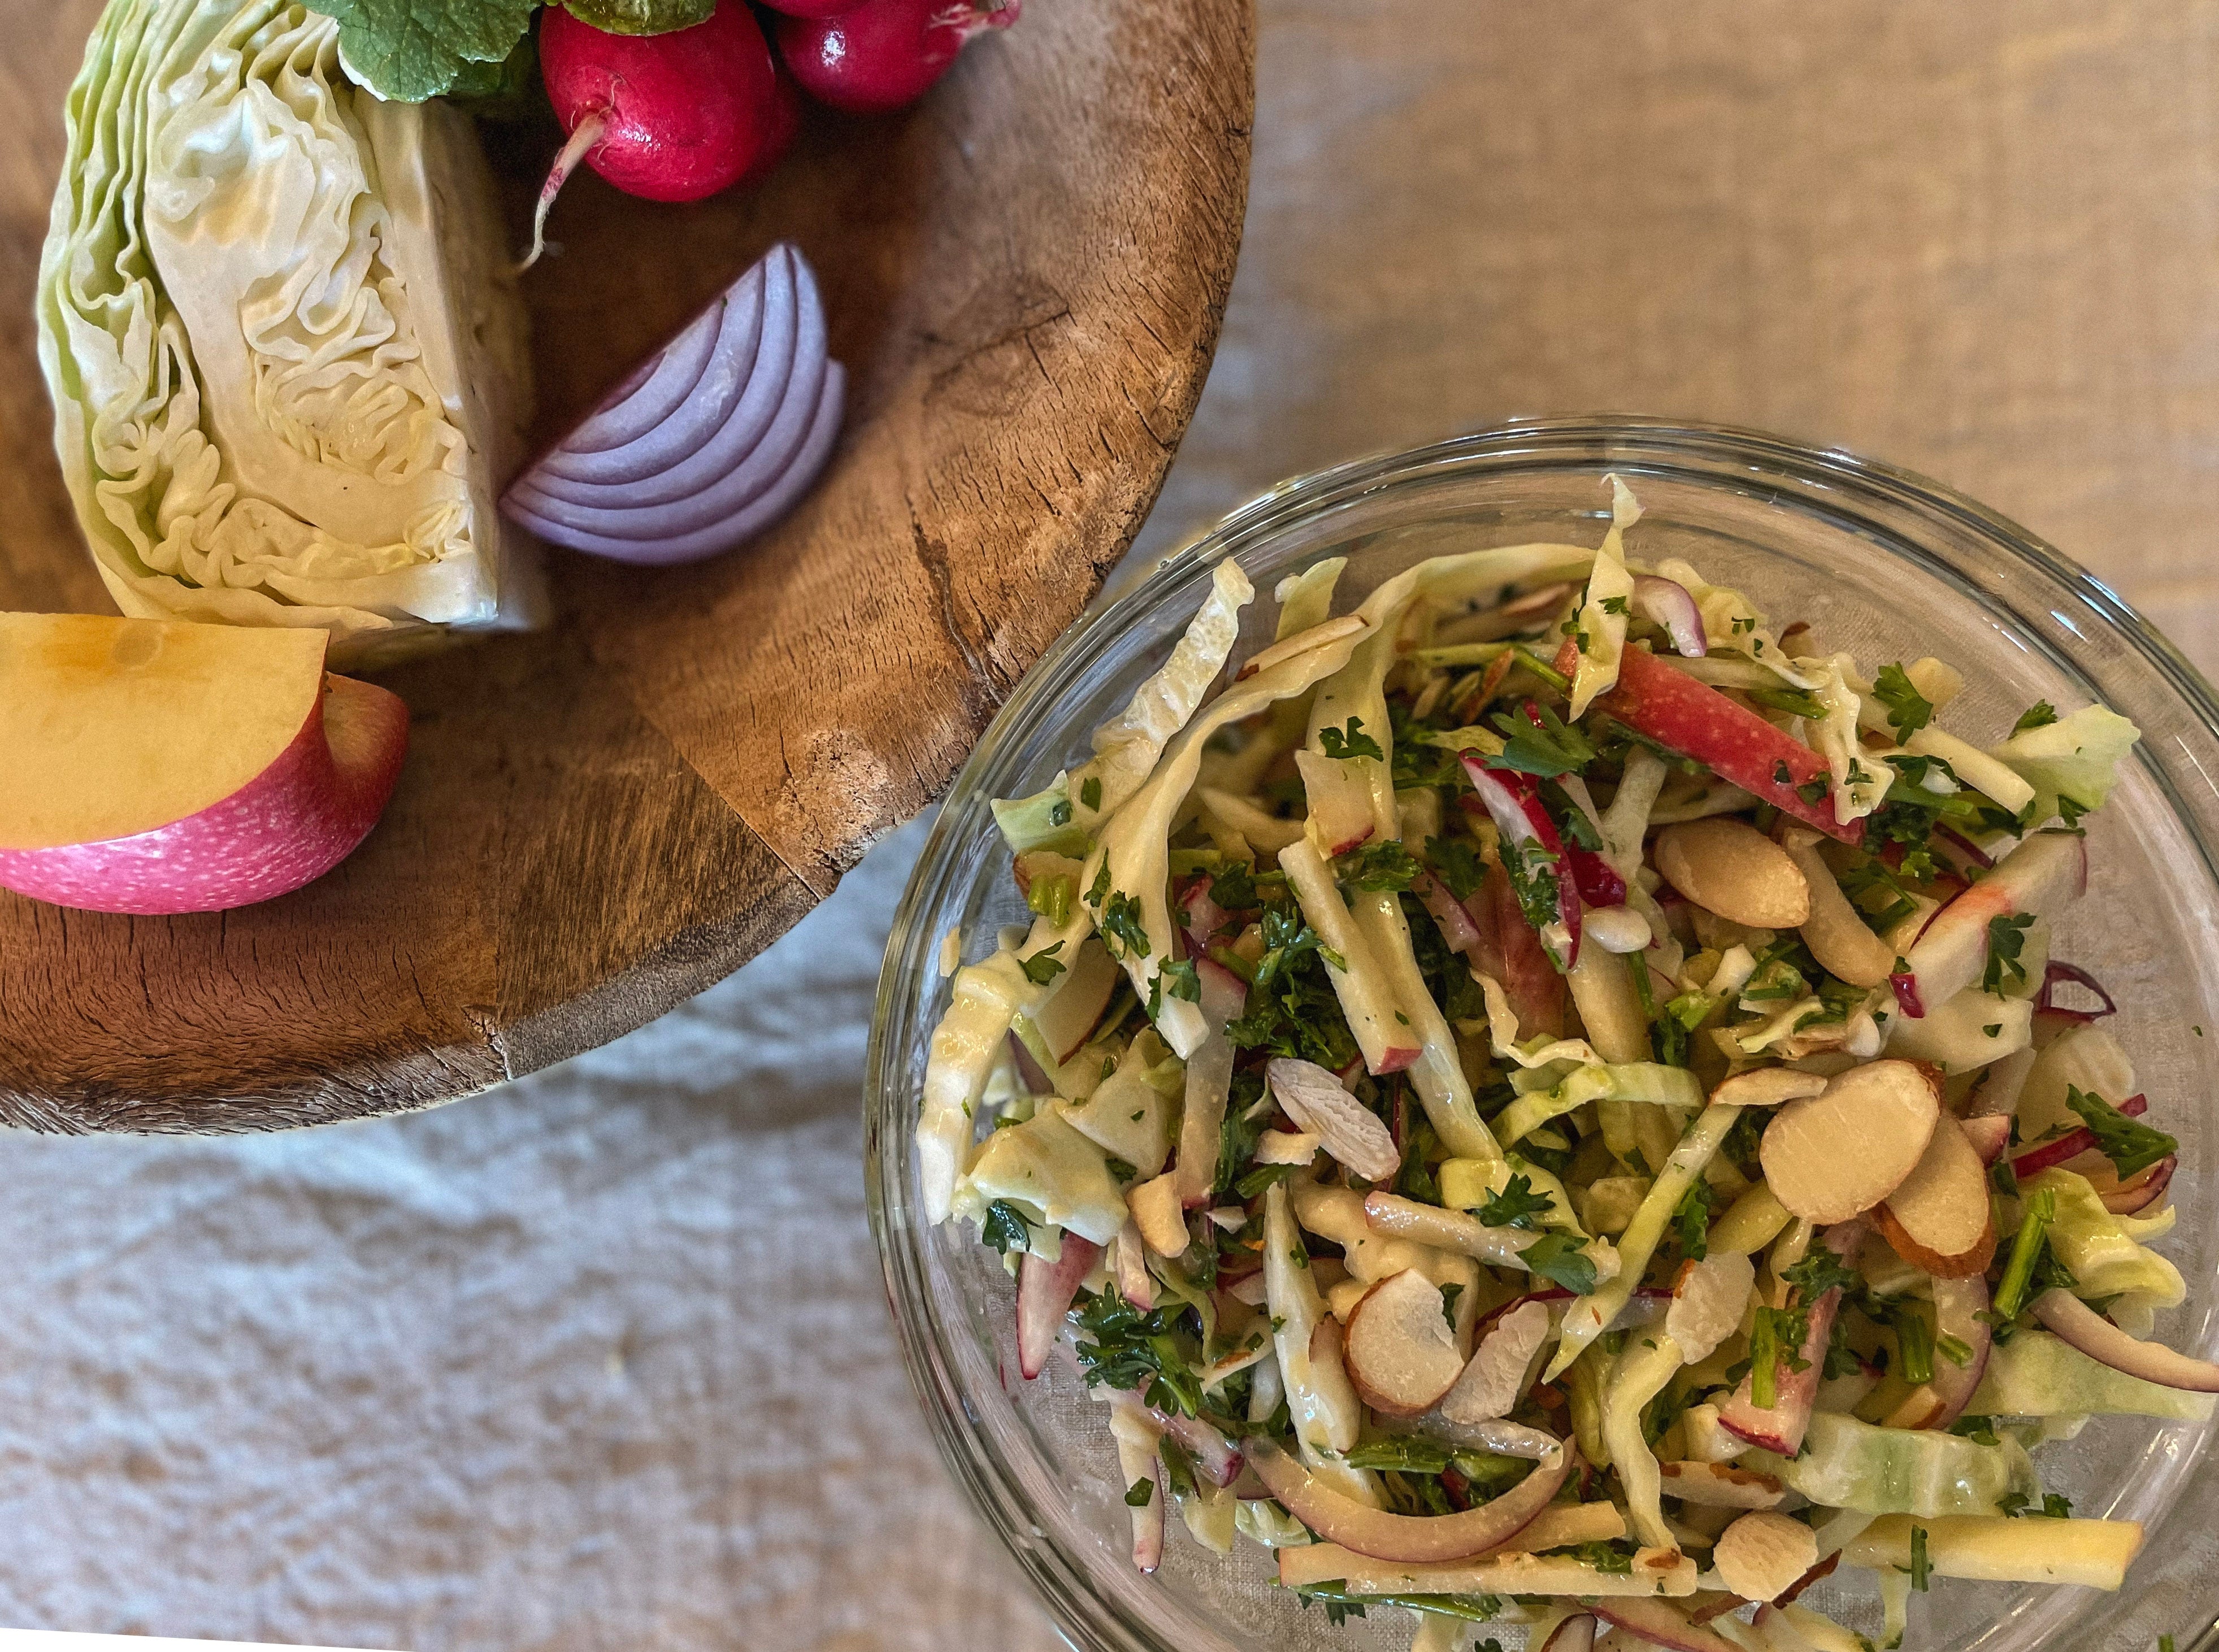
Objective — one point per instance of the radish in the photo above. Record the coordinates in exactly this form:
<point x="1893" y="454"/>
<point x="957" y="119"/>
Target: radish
<point x="884" y="54"/>
<point x="819" y="8"/>
<point x="676" y="117"/>
<point x="1044" y="1293"/>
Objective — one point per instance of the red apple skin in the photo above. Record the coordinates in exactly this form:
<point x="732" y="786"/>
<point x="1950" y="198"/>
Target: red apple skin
<point x="1695" y="719"/>
<point x="290" y="824"/>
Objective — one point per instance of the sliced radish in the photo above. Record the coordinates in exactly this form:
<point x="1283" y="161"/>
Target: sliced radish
<point x="1669" y="604"/>
<point x="1725" y="865"/>
<point x="2040" y="876"/>
<point x="2139" y="1192"/>
<point x="1674" y="710"/>
<point x="1408" y="1538"/>
<point x="1494" y="1380"/>
<point x="1939" y="1218"/>
<point x="2076" y="1323"/>
<point x="1514" y="803"/>
<point x="1721" y="1486"/>
<point x="1835" y="1155"/>
<point x="1398" y="1349"/>
<point x="1045" y="1290"/>
<point x="1989" y="1133"/>
<point x="1216" y="1459"/>
<point x="1659" y="1622"/>
<point x="1767" y="1086"/>
<point x="1457" y="926"/>
<point x="1351" y="1131"/>
<point x="1079" y="998"/>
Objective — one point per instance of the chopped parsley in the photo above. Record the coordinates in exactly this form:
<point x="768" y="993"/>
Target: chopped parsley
<point x="1379" y="868"/>
<point x="1691" y="1222"/>
<point x="1122" y="924"/>
<point x="2040" y="715"/>
<point x="1140" y="1494"/>
<point x="2007" y="937"/>
<point x="1517" y="1205"/>
<point x="1043" y="966"/>
<point x="1920" y="1567"/>
<point x="1908" y="710"/>
<point x="1456" y="863"/>
<point x="1005" y="1227"/>
<point x="1559" y="1258"/>
<point x="2131" y="1145"/>
<point x="1350" y="742"/>
<point x="1089" y="793"/>
<point x="1539" y="742"/>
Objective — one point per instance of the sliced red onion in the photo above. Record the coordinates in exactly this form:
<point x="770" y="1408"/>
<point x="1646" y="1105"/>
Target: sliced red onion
<point x="746" y="436"/>
<point x="1410" y="1538"/>
<point x="2075" y="1322"/>
<point x="1659" y="1623"/>
<point x="1044" y="1293"/>
<point x="1668" y="604"/>
<point x="1971" y="851"/>
<point x="2045" y="1155"/>
<point x="2058" y="973"/>
<point x="2139" y="1192"/>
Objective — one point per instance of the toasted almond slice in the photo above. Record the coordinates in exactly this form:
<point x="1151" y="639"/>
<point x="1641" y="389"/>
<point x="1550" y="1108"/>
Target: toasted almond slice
<point x="1761" y="1555"/>
<point x="1766" y="1087"/>
<point x="1834" y="1155"/>
<point x="1727" y="866"/>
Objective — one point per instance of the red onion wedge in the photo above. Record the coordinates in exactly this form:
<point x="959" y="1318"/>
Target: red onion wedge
<point x="708" y="444"/>
<point x="1659" y="1622"/>
<point x="1044" y="1293"/>
<point x="1413" y="1538"/>
<point x="2076" y="1323"/>
<point x="2056" y="974"/>
<point x="1668" y="604"/>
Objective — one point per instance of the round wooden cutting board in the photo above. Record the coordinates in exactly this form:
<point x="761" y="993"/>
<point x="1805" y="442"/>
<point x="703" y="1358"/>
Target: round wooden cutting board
<point x="1024" y="276"/>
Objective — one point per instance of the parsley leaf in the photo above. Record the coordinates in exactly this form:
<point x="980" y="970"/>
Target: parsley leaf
<point x="1379" y="868"/>
<point x="1908" y="710"/>
<point x="1005" y="1229"/>
<point x="1354" y="742"/>
<point x="1121" y="923"/>
<point x="1539" y="742"/>
<point x="1140" y="1494"/>
<point x="2006" y="937"/>
<point x="1043" y="966"/>
<point x="1089" y="793"/>
<point x="1920" y="1568"/>
<point x="1691" y="1222"/>
<point x="1557" y="1258"/>
<point x="1617" y="606"/>
<point x="1179" y="980"/>
<point x="1517" y="1205"/>
<point x="2131" y="1145"/>
<point x="2040" y="715"/>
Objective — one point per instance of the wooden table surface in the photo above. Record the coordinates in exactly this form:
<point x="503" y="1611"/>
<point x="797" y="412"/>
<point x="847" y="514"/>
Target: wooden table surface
<point x="1981" y="241"/>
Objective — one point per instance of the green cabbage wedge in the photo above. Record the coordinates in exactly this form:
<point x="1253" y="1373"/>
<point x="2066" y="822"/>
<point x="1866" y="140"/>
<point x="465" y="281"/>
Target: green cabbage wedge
<point x="288" y="369"/>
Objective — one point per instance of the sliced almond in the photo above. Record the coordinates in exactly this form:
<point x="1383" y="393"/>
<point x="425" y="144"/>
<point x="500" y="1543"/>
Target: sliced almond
<point x="1400" y="1353"/>
<point x="1766" y="1087"/>
<point x="1832" y="1156"/>
<point x="1157" y="1212"/>
<point x="1287" y="1146"/>
<point x="1941" y="1219"/>
<point x="1708" y="1300"/>
<point x="1348" y="1130"/>
<point x="1727" y="866"/>
<point x="1760" y="1556"/>
<point x="1494" y="1379"/>
<point x="1835" y="932"/>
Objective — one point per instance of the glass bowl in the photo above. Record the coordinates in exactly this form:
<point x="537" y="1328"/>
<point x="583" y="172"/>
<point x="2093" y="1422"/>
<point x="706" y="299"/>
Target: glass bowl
<point x="1881" y="563"/>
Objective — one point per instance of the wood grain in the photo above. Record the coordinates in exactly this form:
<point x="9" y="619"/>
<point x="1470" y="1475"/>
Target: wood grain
<point x="1025" y="275"/>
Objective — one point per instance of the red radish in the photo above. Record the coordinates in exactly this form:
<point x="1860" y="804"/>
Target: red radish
<point x="1044" y="1293"/>
<point x="1509" y="950"/>
<point x="809" y="7"/>
<point x="1697" y="720"/>
<point x="2075" y="1322"/>
<point x="1204" y="917"/>
<point x="1406" y="1537"/>
<point x="1512" y="800"/>
<point x="882" y="55"/>
<point x="676" y="117"/>
<point x="1401" y="1355"/>
<point x="2048" y="1155"/>
<point x="1989" y="1133"/>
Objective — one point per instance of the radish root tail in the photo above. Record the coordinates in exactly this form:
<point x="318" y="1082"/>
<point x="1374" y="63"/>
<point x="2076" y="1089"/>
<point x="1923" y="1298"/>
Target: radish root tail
<point x="581" y="143"/>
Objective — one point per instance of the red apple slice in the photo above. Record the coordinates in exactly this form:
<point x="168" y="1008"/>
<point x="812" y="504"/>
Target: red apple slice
<point x="1412" y="1538"/>
<point x="1939" y="1218"/>
<point x="1697" y="720"/>
<point x="1044" y="1293"/>
<point x="1399" y="1352"/>
<point x="1779" y="1426"/>
<point x="162" y="766"/>
<point x="1727" y="866"/>
<point x="1511" y="952"/>
<point x="1989" y="1133"/>
<point x="1659" y="1622"/>
<point x="1837" y="1154"/>
<point x="2040" y="876"/>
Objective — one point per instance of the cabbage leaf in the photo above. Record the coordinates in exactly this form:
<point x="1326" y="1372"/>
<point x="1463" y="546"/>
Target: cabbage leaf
<point x="288" y="370"/>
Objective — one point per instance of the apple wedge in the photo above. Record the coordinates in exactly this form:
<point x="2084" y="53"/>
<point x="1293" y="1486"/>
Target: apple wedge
<point x="1837" y="1154"/>
<point x="1399" y="1352"/>
<point x="1075" y="1004"/>
<point x="1939" y="1218"/>
<point x="2040" y="876"/>
<point x="158" y="765"/>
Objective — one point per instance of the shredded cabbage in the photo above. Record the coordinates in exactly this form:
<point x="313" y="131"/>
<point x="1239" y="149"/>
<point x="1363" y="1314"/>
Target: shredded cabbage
<point x="2038" y="1374"/>
<point x="2074" y="759"/>
<point x="272" y="406"/>
<point x="1848" y="1464"/>
<point x="1056" y="1176"/>
<point x="2102" y="1260"/>
<point x="1601" y="628"/>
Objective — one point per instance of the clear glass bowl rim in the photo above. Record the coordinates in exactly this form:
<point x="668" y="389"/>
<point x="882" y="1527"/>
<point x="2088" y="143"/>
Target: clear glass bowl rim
<point x="1700" y="451"/>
